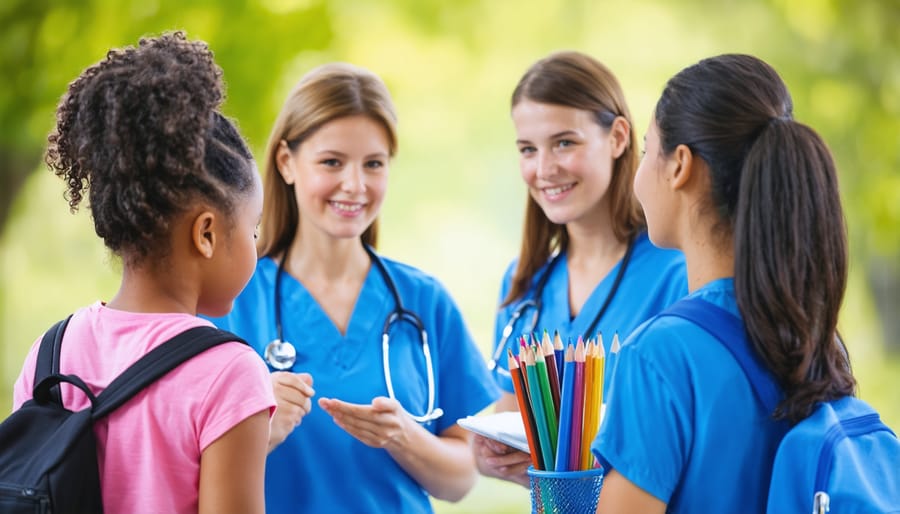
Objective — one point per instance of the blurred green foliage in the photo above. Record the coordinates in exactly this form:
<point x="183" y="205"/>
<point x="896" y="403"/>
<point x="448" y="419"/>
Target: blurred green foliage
<point x="455" y="201"/>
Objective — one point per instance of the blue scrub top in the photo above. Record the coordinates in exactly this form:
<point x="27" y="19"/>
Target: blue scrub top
<point x="655" y="278"/>
<point x="682" y="422"/>
<point x="319" y="467"/>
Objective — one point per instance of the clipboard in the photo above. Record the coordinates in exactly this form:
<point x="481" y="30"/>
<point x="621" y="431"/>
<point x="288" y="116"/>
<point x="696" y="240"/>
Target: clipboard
<point x="505" y="427"/>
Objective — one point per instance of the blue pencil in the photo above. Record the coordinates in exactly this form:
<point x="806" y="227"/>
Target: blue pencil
<point x="567" y="398"/>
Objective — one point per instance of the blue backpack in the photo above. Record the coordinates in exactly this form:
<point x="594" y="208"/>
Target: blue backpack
<point x="841" y="457"/>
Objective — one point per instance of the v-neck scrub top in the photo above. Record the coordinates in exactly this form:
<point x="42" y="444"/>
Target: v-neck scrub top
<point x="320" y="467"/>
<point x="654" y="279"/>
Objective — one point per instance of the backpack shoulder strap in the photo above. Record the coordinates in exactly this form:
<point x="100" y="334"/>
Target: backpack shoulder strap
<point x="157" y="363"/>
<point x="729" y="330"/>
<point x="48" y="356"/>
<point x="854" y="418"/>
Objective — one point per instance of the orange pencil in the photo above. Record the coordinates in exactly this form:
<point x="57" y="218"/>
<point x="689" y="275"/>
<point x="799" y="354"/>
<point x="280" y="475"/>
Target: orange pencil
<point x="586" y="434"/>
<point x="524" y="409"/>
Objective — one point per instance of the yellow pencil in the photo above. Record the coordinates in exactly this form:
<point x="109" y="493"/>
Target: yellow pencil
<point x="587" y="436"/>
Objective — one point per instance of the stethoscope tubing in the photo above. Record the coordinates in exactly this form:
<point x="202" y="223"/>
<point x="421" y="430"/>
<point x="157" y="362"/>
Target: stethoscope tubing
<point x="399" y="314"/>
<point x="536" y="303"/>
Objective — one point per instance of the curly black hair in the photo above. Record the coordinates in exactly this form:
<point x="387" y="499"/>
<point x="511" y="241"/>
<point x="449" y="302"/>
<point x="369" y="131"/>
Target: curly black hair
<point x="142" y="132"/>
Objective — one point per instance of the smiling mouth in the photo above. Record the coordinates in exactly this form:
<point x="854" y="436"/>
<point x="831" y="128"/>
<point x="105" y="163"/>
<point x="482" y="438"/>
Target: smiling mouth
<point x="349" y="208"/>
<point x="556" y="190"/>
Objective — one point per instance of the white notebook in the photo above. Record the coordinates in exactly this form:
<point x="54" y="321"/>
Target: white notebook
<point x="505" y="427"/>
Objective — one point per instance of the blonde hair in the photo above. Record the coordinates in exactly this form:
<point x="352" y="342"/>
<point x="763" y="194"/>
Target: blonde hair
<point x="326" y="93"/>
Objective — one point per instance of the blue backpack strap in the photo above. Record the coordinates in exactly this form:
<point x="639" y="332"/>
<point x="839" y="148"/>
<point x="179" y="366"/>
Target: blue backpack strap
<point x="729" y="330"/>
<point x="850" y="427"/>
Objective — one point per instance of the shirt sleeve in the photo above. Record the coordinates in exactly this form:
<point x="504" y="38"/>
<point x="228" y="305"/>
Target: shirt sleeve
<point x="242" y="388"/>
<point x="645" y="432"/>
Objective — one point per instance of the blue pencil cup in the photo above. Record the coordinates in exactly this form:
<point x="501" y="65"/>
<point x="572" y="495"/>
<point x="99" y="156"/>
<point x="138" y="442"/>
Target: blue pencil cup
<point x="565" y="492"/>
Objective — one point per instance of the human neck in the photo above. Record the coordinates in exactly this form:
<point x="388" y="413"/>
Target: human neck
<point x="593" y="243"/>
<point x="707" y="259"/>
<point x="144" y="290"/>
<point x="327" y="259"/>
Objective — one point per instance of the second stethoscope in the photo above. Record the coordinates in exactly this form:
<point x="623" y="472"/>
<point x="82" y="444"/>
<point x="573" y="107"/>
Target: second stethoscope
<point x="281" y="354"/>
<point x="536" y="304"/>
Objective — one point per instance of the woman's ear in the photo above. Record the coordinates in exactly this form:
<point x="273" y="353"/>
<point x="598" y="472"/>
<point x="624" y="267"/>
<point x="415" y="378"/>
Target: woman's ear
<point x="620" y="136"/>
<point x="681" y="166"/>
<point x="203" y="233"/>
<point x="283" y="156"/>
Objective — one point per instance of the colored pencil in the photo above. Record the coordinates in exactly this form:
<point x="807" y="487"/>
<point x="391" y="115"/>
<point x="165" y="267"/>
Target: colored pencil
<point x="577" y="408"/>
<point x="540" y="364"/>
<point x="552" y="370"/>
<point x="558" y="353"/>
<point x="589" y="397"/>
<point x="537" y="406"/>
<point x="613" y="355"/>
<point x="600" y="370"/>
<point x="525" y="410"/>
<point x="567" y="397"/>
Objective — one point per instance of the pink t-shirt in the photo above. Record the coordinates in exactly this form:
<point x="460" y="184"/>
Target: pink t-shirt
<point x="149" y="448"/>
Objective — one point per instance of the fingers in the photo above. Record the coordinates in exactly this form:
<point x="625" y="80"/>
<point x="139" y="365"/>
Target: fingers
<point x="293" y="385"/>
<point x="375" y="425"/>
<point x="293" y="393"/>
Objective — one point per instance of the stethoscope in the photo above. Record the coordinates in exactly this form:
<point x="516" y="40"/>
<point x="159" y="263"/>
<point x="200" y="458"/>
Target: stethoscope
<point x="282" y="355"/>
<point x="536" y="303"/>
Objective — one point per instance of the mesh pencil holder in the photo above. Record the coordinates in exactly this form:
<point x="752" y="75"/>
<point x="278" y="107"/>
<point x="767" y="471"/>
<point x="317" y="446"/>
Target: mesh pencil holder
<point x="565" y="492"/>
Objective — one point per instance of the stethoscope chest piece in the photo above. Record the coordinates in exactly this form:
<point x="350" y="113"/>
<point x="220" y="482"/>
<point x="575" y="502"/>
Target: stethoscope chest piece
<point x="281" y="355"/>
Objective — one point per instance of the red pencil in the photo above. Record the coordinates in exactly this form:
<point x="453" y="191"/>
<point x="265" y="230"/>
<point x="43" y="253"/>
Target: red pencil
<point x="525" y="410"/>
<point x="552" y="368"/>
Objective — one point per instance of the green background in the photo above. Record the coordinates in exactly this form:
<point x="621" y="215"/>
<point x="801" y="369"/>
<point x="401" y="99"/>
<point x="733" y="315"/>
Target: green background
<point x="455" y="198"/>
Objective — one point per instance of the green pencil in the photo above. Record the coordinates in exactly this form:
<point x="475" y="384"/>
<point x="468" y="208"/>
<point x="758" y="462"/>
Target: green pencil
<point x="537" y="405"/>
<point x="540" y="365"/>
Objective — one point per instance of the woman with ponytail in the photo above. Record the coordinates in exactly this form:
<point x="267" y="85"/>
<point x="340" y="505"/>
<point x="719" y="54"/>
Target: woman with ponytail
<point x="751" y="198"/>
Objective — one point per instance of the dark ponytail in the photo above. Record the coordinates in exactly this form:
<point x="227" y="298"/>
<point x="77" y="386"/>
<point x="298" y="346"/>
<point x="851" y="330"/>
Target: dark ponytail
<point x="775" y="194"/>
<point x="791" y="264"/>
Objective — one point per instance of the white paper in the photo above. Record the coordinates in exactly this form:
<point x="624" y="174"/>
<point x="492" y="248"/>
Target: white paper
<point x="505" y="427"/>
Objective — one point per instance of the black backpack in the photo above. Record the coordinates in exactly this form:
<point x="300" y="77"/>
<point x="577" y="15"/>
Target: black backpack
<point x="48" y="455"/>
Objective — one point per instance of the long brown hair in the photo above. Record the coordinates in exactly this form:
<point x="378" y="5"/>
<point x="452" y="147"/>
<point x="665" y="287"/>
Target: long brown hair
<point x="573" y="79"/>
<point x="326" y="93"/>
<point x="775" y="192"/>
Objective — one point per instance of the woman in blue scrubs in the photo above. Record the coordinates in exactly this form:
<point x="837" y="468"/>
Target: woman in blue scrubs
<point x="384" y="436"/>
<point x="751" y="197"/>
<point x="585" y="257"/>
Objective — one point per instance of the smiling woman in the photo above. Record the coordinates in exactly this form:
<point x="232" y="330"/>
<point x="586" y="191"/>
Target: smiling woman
<point x="585" y="257"/>
<point x="353" y="316"/>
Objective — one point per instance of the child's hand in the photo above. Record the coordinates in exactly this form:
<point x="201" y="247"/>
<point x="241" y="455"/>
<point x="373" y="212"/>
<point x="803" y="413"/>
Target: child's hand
<point x="293" y="393"/>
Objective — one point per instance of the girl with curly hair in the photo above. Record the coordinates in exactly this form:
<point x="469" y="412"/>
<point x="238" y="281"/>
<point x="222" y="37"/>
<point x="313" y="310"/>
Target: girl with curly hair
<point x="175" y="193"/>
